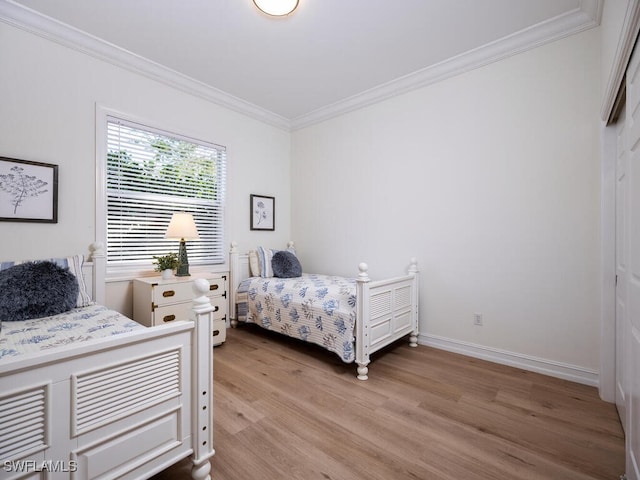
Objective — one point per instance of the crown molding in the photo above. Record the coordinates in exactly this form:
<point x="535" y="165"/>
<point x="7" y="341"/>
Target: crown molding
<point x="626" y="43"/>
<point x="586" y="16"/>
<point x="46" y="27"/>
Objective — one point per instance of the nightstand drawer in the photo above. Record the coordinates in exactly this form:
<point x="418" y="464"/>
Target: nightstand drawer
<point x="219" y="305"/>
<point x="172" y="293"/>
<point x="169" y="313"/>
<point x="183" y="311"/>
<point x="217" y="285"/>
<point x="165" y="294"/>
<point x="219" y="332"/>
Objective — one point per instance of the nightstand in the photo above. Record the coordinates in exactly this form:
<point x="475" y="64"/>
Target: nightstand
<point x="157" y="301"/>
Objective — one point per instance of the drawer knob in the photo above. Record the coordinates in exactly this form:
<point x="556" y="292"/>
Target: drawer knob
<point x="213" y="287"/>
<point x="168" y="293"/>
<point x="169" y="318"/>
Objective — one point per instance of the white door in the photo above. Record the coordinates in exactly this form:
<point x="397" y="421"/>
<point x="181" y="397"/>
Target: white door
<point x="621" y="266"/>
<point x="631" y="318"/>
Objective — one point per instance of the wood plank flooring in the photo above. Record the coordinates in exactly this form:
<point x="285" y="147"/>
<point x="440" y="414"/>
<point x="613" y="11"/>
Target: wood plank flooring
<point x="288" y="410"/>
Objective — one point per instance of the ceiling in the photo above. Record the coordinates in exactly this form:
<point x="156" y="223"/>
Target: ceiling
<point x="328" y="57"/>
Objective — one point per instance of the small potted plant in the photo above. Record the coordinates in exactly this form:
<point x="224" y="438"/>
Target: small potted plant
<point x="166" y="264"/>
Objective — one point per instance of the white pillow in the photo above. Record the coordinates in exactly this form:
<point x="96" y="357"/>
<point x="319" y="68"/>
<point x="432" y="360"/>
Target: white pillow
<point x="75" y="266"/>
<point x="264" y="257"/>
<point x="254" y="264"/>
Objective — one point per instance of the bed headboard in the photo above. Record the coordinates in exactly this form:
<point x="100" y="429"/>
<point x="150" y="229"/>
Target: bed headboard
<point x="87" y="274"/>
<point x="95" y="271"/>
<point x="238" y="271"/>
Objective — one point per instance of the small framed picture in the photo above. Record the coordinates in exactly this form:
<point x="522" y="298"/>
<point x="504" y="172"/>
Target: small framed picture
<point x="262" y="212"/>
<point x="28" y="191"/>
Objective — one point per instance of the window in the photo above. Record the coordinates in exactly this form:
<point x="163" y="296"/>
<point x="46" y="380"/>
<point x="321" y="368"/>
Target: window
<point x="151" y="174"/>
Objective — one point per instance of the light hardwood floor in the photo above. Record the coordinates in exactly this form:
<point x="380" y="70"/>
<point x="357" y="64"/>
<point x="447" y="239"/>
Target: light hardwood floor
<point x="288" y="410"/>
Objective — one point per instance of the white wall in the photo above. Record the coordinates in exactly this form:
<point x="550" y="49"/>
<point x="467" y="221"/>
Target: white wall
<point x="48" y="97"/>
<point x="490" y="179"/>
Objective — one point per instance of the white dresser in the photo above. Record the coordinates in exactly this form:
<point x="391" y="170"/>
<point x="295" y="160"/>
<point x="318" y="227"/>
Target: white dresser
<point x="157" y="301"/>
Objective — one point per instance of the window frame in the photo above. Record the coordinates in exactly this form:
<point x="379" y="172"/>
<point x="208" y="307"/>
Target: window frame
<point x="128" y="272"/>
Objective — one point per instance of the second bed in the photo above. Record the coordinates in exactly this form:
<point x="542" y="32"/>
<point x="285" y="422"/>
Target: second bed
<point x="352" y="317"/>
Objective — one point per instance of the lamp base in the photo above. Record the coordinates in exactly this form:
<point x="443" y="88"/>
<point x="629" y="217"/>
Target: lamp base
<point x="183" y="261"/>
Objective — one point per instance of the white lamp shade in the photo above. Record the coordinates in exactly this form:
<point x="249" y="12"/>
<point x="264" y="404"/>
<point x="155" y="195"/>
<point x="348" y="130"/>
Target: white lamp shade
<point x="276" y="8"/>
<point x="182" y="226"/>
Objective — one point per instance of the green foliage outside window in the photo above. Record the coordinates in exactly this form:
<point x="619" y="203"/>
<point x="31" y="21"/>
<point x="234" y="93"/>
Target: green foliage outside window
<point x="172" y="161"/>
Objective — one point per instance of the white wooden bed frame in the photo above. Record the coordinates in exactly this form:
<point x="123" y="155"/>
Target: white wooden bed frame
<point x="127" y="406"/>
<point x="386" y="311"/>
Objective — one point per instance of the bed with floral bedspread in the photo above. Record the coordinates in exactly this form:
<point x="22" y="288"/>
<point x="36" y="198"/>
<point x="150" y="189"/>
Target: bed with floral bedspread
<point x="351" y="317"/>
<point x="77" y="325"/>
<point x="320" y="309"/>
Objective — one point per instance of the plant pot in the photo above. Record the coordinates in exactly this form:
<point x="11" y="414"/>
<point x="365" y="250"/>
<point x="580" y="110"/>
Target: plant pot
<point x="167" y="274"/>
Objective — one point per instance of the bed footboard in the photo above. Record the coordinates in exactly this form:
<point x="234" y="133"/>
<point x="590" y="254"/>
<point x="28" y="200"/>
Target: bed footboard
<point x="387" y="310"/>
<point x="127" y="406"/>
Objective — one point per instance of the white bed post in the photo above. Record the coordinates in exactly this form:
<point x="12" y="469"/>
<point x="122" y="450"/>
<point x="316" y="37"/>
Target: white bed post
<point x="99" y="259"/>
<point x="413" y="270"/>
<point x="202" y="383"/>
<point x="233" y="283"/>
<point x="362" y="326"/>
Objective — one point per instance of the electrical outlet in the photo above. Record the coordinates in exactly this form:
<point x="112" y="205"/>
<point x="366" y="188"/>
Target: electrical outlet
<point x="477" y="319"/>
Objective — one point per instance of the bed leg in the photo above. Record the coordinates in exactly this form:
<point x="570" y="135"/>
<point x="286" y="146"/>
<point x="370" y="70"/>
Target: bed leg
<point x="200" y="471"/>
<point x="363" y="370"/>
<point x="413" y="340"/>
<point x="234" y="323"/>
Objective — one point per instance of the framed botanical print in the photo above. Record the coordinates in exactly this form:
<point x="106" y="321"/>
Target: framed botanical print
<point x="262" y="212"/>
<point x="28" y="191"/>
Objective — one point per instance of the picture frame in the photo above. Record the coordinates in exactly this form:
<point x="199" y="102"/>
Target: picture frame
<point x="28" y="191"/>
<point x="262" y="213"/>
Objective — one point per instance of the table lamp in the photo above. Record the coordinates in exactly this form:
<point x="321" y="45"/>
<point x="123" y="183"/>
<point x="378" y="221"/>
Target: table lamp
<point x="182" y="226"/>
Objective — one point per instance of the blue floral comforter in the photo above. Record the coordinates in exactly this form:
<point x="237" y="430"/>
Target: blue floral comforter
<point x="76" y="325"/>
<point x="315" y="308"/>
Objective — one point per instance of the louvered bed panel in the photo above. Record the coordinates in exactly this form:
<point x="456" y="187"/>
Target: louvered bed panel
<point x="100" y="397"/>
<point x="390" y="313"/>
<point x="24" y="429"/>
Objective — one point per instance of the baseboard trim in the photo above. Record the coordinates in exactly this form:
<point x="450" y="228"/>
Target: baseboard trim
<point x="539" y="365"/>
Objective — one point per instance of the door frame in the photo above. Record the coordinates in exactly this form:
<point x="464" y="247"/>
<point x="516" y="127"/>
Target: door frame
<point x="611" y="103"/>
<point x="607" y="376"/>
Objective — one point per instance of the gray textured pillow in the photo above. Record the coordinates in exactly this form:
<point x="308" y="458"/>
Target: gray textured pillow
<point x="285" y="265"/>
<point x="36" y="289"/>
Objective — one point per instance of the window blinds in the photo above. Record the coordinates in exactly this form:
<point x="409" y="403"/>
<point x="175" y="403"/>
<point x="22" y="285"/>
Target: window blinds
<point x="152" y="174"/>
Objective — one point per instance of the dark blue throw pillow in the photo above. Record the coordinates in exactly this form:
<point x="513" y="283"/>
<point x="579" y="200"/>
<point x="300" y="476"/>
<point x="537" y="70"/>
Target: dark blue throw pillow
<point x="36" y="289"/>
<point x="285" y="265"/>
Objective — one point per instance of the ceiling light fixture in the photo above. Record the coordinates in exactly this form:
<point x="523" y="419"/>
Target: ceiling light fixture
<point x="276" y="8"/>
